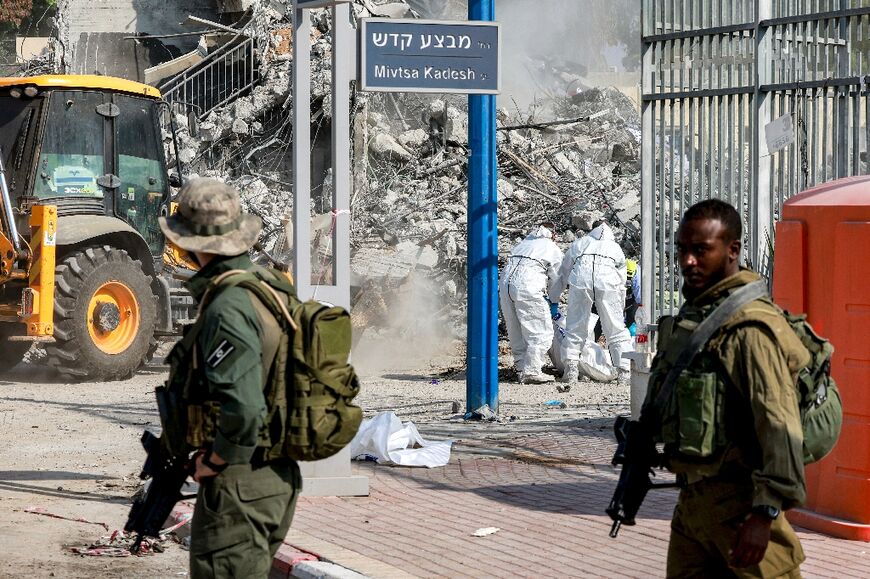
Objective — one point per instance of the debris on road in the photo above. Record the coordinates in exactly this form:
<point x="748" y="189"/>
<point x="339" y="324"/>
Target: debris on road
<point x="45" y="513"/>
<point x="485" y="532"/>
<point x="484" y="413"/>
<point x="118" y="544"/>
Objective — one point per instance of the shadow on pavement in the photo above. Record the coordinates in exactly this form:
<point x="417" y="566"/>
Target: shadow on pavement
<point x="16" y="475"/>
<point x="131" y="414"/>
<point x="9" y="481"/>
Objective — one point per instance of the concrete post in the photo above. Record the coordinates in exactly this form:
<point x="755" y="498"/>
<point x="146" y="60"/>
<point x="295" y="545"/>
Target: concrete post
<point x="332" y="476"/>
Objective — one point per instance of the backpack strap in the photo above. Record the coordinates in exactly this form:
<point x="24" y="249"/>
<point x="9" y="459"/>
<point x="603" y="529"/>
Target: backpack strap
<point x="272" y="330"/>
<point x="259" y="287"/>
<point x="217" y="284"/>
<point x="705" y="330"/>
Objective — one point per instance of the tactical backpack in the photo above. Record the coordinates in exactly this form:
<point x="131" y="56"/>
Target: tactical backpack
<point x="818" y="396"/>
<point x="310" y="385"/>
<point x="819" y="402"/>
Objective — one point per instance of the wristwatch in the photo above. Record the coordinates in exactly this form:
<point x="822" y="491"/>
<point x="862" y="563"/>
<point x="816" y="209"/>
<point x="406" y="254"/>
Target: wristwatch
<point x="766" y="511"/>
<point x="218" y="468"/>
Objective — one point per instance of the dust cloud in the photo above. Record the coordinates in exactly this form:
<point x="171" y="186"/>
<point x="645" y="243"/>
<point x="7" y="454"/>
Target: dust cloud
<point x="547" y="44"/>
<point x="414" y="332"/>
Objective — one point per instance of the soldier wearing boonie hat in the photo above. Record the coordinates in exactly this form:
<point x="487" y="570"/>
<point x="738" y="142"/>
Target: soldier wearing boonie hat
<point x="245" y="503"/>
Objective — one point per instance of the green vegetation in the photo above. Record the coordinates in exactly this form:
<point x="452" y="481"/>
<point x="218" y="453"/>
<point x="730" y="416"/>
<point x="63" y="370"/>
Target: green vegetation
<point x="23" y="18"/>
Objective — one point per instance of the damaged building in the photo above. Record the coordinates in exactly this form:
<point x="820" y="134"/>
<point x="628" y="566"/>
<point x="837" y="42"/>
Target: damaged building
<point x="571" y="156"/>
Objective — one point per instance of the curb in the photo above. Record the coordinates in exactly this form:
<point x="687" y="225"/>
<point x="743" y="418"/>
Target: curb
<point x="289" y="561"/>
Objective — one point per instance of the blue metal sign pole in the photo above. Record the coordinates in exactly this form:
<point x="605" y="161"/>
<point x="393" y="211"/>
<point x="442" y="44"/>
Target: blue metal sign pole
<point x="482" y="377"/>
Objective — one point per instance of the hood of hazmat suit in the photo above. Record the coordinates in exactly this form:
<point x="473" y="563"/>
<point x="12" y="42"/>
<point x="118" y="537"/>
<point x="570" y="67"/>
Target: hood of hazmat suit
<point x="531" y="267"/>
<point x="602" y="263"/>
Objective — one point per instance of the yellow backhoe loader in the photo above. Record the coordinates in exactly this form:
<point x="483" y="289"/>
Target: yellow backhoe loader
<point x="82" y="258"/>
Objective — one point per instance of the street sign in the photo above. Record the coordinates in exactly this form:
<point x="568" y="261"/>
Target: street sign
<point x="430" y="56"/>
<point x="779" y="133"/>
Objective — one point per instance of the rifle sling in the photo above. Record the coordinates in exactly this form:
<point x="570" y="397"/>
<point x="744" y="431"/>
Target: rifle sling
<point x="705" y="330"/>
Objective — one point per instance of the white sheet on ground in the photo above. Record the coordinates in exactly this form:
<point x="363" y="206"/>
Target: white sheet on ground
<point x="385" y="439"/>
<point x="595" y="363"/>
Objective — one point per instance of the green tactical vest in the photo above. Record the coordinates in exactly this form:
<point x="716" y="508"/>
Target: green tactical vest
<point x="693" y="424"/>
<point x="197" y="421"/>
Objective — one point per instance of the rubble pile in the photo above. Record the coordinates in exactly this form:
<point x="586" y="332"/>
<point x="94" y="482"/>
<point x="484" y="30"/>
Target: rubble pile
<point x="412" y="213"/>
<point x="571" y="160"/>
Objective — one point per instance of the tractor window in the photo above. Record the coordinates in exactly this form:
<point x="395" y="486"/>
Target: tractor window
<point x="71" y="159"/>
<point x="140" y="167"/>
<point x="18" y="121"/>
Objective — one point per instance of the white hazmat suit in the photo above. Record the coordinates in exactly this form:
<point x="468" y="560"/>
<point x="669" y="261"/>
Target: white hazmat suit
<point x="595" y="273"/>
<point x="531" y="267"/>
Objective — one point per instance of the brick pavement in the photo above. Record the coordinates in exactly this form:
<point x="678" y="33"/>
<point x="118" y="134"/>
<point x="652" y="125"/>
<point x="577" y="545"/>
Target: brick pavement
<point x="546" y="494"/>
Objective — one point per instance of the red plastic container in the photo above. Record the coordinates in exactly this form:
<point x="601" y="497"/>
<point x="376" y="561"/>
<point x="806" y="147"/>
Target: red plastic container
<point x="821" y="267"/>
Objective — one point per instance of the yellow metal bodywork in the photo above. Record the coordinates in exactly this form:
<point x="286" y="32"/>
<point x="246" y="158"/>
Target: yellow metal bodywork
<point x="173" y="255"/>
<point x="43" y="239"/>
<point x="7" y="258"/>
<point x="83" y="81"/>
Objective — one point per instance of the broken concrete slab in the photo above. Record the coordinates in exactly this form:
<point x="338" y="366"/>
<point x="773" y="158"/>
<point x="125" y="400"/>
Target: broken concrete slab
<point x="385" y="146"/>
<point x="155" y="74"/>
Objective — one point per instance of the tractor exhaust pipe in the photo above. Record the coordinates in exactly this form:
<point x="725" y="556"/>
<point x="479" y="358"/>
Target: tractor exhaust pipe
<point x="7" y="208"/>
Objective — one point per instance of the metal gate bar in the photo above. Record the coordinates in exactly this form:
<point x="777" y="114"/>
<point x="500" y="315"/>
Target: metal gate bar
<point x="714" y="75"/>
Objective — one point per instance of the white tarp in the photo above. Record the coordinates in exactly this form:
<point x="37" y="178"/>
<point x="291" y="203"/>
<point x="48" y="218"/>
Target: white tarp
<point x="595" y="362"/>
<point x="385" y="439"/>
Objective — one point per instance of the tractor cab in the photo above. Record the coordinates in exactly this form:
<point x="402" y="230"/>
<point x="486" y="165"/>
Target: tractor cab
<point x="90" y="145"/>
<point x="84" y="160"/>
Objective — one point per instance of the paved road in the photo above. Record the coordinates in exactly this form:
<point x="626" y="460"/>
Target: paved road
<point x="542" y="479"/>
<point x="72" y="449"/>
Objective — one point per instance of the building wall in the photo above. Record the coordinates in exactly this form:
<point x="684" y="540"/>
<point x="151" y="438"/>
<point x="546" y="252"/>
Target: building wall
<point x="79" y="17"/>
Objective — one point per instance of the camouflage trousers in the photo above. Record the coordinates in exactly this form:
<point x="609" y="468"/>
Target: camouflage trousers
<point x="241" y="518"/>
<point x="705" y="527"/>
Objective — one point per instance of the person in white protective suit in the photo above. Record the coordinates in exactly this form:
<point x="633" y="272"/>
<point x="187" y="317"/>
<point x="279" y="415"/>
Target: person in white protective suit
<point x="531" y="267"/>
<point x="594" y="270"/>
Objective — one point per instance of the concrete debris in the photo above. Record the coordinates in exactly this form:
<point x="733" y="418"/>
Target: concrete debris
<point x="409" y="195"/>
<point x="384" y="146"/>
<point x="119" y="544"/>
<point x="484" y="413"/>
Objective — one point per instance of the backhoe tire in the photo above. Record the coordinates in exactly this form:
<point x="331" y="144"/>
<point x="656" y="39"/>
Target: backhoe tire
<point x="104" y="315"/>
<point x="11" y="352"/>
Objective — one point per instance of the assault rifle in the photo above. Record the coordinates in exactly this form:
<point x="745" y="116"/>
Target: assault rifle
<point x="636" y="452"/>
<point x="167" y="475"/>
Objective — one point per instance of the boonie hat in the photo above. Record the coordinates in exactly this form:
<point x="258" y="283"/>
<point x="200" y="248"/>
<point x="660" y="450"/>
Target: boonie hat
<point x="210" y="220"/>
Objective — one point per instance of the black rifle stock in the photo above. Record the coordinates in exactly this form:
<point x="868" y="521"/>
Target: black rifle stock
<point x="167" y="473"/>
<point x="636" y="452"/>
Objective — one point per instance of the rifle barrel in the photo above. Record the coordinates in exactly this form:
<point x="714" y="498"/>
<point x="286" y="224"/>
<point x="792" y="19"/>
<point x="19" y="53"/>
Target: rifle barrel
<point x="614" y="530"/>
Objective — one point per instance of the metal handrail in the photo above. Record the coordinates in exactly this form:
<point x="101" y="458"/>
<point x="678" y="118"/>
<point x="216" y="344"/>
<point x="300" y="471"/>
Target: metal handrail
<point x="218" y="79"/>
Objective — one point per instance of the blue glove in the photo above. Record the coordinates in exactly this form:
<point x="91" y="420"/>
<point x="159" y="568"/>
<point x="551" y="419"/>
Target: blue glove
<point x="554" y="309"/>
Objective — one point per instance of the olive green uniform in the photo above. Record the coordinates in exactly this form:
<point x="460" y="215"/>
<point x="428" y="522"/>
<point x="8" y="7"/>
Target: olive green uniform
<point x="243" y="513"/>
<point x="752" y="432"/>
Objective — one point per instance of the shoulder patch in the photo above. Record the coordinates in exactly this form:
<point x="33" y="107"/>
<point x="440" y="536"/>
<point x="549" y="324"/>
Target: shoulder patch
<point x="219" y="354"/>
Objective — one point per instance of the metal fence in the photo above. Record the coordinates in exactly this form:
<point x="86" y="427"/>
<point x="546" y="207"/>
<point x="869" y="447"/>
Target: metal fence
<point x="715" y="74"/>
<point x="220" y="78"/>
